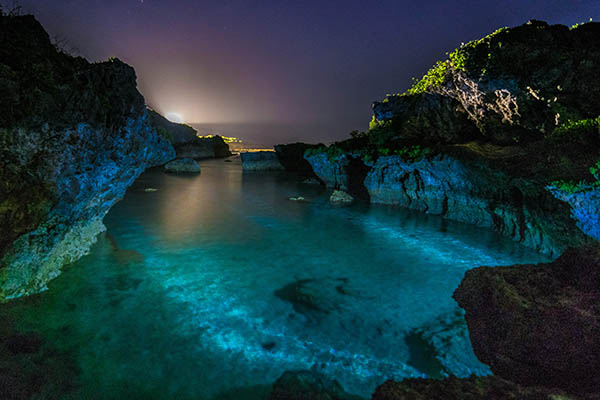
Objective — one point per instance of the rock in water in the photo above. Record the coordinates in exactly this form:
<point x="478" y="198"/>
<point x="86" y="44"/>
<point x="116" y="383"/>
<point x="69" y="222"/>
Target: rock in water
<point x="538" y="324"/>
<point x="291" y="157"/>
<point x="73" y="137"/>
<point x="261" y="161"/>
<point x="341" y="198"/>
<point x="184" y="165"/>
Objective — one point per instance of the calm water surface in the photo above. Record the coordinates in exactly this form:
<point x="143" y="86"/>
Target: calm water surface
<point x="215" y="284"/>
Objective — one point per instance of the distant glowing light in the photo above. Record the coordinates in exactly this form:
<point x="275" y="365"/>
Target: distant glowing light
<point x="175" y="117"/>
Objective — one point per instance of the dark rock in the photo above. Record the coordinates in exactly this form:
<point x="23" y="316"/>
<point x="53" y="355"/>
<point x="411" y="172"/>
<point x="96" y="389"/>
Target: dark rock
<point x="474" y="388"/>
<point x="307" y="385"/>
<point x="538" y="324"/>
<point x="186" y="142"/>
<point x="261" y="161"/>
<point x="184" y="165"/>
<point x="73" y="137"/>
<point x="291" y="156"/>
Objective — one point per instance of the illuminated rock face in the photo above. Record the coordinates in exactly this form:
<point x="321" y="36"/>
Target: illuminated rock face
<point x="507" y="88"/>
<point x="79" y="136"/>
<point x="465" y="192"/>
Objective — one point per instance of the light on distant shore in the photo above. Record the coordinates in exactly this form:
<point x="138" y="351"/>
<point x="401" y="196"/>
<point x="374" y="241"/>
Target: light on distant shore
<point x="175" y="117"/>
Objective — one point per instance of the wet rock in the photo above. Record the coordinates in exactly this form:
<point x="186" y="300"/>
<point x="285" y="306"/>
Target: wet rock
<point x="291" y="156"/>
<point x="538" y="324"/>
<point x="307" y="385"/>
<point x="452" y="388"/>
<point x="341" y="198"/>
<point x="184" y="165"/>
<point x="261" y="161"/>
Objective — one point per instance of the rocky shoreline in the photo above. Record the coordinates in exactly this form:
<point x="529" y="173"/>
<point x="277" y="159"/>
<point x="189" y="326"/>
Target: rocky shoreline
<point x="481" y="139"/>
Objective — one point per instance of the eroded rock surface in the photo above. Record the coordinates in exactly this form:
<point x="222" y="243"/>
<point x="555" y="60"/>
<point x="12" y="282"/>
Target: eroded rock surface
<point x="538" y="324"/>
<point x="73" y="137"/>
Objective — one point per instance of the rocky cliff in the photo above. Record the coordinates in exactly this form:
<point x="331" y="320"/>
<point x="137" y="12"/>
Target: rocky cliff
<point x="499" y="135"/>
<point x="186" y="142"/>
<point x="73" y="137"/>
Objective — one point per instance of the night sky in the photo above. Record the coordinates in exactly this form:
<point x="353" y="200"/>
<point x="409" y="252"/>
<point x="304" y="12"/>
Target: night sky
<point x="310" y="69"/>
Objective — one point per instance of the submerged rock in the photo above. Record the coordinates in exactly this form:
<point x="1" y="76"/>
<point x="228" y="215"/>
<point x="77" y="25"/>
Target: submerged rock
<point x="308" y="385"/>
<point x="184" y="165"/>
<point x="538" y="324"/>
<point x="77" y="136"/>
<point x="261" y="161"/>
<point x="341" y="198"/>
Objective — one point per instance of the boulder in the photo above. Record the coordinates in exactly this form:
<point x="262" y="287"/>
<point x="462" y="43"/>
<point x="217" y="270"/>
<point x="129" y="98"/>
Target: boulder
<point x="261" y="161"/>
<point x="341" y="198"/>
<point x="184" y="165"/>
<point x="538" y="324"/>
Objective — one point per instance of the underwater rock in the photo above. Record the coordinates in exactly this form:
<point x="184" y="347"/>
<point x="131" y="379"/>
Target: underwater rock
<point x="291" y="156"/>
<point x="307" y="385"/>
<point x="538" y="324"/>
<point x="341" y="198"/>
<point x="186" y="142"/>
<point x="261" y="161"/>
<point x="77" y="137"/>
<point x="473" y="388"/>
<point x="184" y="165"/>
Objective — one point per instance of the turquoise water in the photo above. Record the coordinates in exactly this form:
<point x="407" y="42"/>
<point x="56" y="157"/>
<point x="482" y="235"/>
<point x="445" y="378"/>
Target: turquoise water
<point x="214" y="285"/>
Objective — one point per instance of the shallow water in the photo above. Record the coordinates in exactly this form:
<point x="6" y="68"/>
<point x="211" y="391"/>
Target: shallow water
<point x="213" y="285"/>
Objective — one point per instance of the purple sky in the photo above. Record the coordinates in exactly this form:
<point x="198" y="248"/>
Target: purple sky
<point x="315" y="66"/>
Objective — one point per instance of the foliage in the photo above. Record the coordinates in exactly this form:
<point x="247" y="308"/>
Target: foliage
<point x="571" y="187"/>
<point x="583" y="131"/>
<point x="332" y="152"/>
<point x="458" y="60"/>
<point x="413" y="153"/>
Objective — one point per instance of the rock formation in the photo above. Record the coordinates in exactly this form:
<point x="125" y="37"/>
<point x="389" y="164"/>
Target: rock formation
<point x="291" y="156"/>
<point x="261" y="161"/>
<point x="73" y="137"/>
<point x="186" y="142"/>
<point x="499" y="135"/>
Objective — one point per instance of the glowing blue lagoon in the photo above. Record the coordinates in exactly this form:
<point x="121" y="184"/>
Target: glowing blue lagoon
<point x="214" y="285"/>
